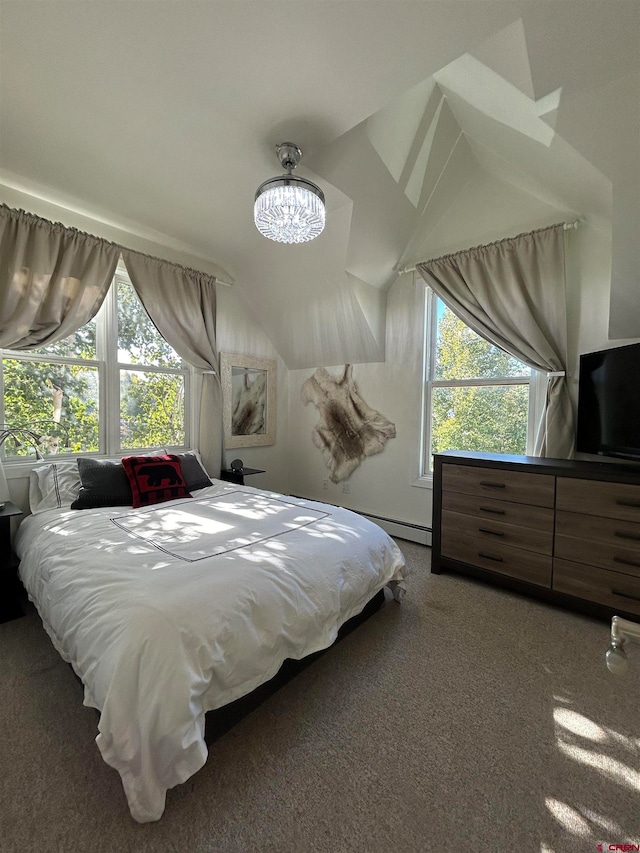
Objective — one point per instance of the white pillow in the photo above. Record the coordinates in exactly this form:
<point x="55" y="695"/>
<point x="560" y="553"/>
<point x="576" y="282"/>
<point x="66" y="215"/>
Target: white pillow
<point x="54" y="485"/>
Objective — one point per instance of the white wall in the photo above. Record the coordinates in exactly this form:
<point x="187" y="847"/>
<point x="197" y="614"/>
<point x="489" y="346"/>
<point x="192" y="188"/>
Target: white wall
<point x="237" y="332"/>
<point x="383" y="484"/>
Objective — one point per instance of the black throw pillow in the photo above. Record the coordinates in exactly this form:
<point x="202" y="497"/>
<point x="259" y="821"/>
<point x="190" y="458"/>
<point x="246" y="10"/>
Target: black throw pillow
<point x="104" y="483"/>
<point x="194" y="474"/>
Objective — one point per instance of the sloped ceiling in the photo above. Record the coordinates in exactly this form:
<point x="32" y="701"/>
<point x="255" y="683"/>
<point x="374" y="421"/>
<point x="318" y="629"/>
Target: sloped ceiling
<point x="166" y="115"/>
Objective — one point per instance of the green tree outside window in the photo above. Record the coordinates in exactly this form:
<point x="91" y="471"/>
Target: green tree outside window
<point x="484" y="417"/>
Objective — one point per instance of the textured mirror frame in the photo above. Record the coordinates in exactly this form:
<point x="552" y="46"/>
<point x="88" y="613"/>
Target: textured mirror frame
<point x="249" y="400"/>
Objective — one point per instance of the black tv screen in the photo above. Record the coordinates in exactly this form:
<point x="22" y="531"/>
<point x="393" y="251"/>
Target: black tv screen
<point x="609" y="402"/>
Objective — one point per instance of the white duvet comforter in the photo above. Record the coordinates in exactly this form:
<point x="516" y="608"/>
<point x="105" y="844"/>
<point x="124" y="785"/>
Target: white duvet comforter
<point x="170" y="611"/>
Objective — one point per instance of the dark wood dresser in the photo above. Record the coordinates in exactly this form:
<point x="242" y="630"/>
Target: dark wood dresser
<point x="566" y="531"/>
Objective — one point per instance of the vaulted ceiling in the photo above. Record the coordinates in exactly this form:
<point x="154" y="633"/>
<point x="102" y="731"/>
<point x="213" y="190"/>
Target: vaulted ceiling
<point x="162" y="117"/>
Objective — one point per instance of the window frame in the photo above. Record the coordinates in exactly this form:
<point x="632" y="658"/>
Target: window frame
<point x="536" y="383"/>
<point x="109" y="368"/>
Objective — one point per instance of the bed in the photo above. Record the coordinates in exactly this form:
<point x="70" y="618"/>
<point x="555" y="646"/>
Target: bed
<point x="169" y="611"/>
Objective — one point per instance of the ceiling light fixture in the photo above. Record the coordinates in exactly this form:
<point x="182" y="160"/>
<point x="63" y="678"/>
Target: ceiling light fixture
<point x="288" y="209"/>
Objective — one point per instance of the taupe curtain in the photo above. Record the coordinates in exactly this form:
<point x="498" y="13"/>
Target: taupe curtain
<point x="181" y="302"/>
<point x="53" y="279"/>
<point x="513" y="294"/>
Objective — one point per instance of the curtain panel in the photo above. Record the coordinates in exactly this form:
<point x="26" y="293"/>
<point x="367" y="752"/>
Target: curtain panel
<point x="181" y="303"/>
<point x="512" y="293"/>
<point x="53" y="279"/>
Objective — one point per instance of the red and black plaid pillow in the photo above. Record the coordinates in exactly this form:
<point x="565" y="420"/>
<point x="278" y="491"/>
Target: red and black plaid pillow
<point x="155" y="479"/>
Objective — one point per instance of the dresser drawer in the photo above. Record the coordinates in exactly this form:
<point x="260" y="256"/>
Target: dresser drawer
<point x="534" y="517"/>
<point x="612" y="589"/>
<point x="613" y="500"/>
<point x="492" y="531"/>
<point x="612" y="531"/>
<point x="516" y="486"/>
<point x="503" y="559"/>
<point x="605" y="542"/>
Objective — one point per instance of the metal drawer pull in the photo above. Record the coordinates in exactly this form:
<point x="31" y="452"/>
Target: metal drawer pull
<point x="492" y="532"/>
<point x="496" y="485"/>
<point x="621" y="534"/>
<point x="627" y="562"/>
<point x="494" y="511"/>
<point x="625" y="594"/>
<point x="490" y="557"/>
<point x="621" y="502"/>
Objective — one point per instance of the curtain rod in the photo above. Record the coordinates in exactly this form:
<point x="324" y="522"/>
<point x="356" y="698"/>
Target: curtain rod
<point x="171" y="263"/>
<point x="60" y="226"/>
<point x="568" y="226"/>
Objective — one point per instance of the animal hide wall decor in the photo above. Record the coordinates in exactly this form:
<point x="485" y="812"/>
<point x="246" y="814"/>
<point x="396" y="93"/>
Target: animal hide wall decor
<point x="348" y="430"/>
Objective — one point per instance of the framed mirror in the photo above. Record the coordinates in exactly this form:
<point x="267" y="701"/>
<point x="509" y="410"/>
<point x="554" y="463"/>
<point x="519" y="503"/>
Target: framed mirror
<point x="249" y="400"/>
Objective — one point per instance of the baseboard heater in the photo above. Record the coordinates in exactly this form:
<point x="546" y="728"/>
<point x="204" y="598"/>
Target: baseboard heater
<point x="401" y="529"/>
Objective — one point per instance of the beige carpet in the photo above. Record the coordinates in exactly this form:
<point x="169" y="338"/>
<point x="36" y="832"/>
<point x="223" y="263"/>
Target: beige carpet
<point x="466" y="718"/>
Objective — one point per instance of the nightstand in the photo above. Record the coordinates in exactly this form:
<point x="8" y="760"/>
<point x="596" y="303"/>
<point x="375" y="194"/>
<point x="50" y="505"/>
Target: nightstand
<point x="237" y="477"/>
<point x="9" y="584"/>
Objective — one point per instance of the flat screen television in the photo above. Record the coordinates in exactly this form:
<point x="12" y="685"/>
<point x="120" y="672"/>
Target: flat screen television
<point x="609" y="402"/>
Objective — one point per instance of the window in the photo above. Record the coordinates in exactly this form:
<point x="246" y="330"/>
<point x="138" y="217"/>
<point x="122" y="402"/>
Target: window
<point x="476" y="396"/>
<point x="115" y="386"/>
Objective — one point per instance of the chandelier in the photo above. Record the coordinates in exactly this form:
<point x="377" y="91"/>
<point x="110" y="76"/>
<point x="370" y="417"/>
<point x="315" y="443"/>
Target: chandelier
<point x="288" y="209"/>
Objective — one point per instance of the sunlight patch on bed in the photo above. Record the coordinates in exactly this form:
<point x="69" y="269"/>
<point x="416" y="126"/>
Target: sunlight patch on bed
<point x="276" y="545"/>
<point x="331" y="529"/>
<point x="324" y="534"/>
<point x="189" y="526"/>
<point x="197" y="529"/>
<point x="59" y="531"/>
<point x="300" y="521"/>
<point x="249" y="506"/>
<point x="62" y="527"/>
<point x="261" y="555"/>
<point x="256" y="513"/>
